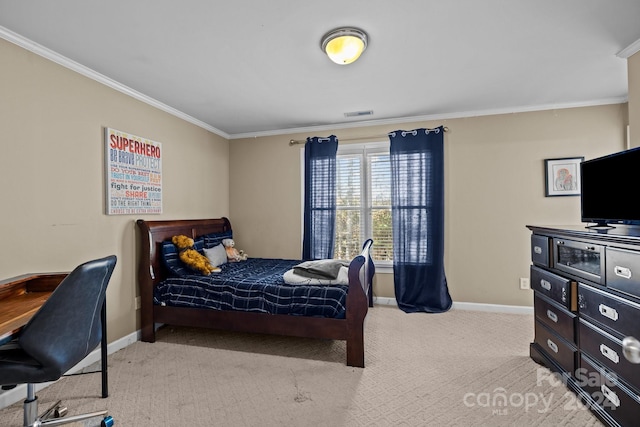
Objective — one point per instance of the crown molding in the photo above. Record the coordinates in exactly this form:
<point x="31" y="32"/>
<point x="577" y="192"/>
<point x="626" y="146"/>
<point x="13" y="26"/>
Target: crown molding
<point x="42" y="51"/>
<point x="629" y="50"/>
<point x="432" y="117"/>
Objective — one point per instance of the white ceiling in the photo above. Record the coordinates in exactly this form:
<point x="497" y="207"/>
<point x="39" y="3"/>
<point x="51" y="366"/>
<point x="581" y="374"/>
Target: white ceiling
<point x="249" y="67"/>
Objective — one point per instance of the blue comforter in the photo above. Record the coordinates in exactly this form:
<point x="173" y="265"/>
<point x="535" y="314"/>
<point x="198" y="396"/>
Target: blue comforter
<point x="254" y="285"/>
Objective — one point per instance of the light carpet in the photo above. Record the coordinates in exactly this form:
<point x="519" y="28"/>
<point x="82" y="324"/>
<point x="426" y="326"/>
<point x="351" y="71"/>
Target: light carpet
<point x="460" y="368"/>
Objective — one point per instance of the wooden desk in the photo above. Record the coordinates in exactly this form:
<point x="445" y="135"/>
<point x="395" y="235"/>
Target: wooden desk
<point x="22" y="296"/>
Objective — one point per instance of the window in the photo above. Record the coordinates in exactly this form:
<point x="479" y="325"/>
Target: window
<point x="363" y="199"/>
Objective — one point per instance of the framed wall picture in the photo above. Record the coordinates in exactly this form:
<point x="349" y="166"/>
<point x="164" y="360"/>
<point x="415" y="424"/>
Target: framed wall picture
<point x="133" y="170"/>
<point x="562" y="176"/>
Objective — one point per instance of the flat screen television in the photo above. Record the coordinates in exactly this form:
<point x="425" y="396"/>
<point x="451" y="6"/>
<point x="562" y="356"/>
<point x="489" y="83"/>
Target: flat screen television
<point x="609" y="189"/>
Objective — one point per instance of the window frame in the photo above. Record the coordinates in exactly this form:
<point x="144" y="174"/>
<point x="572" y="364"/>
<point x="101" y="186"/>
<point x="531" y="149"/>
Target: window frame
<point x="355" y="148"/>
<point x="364" y="150"/>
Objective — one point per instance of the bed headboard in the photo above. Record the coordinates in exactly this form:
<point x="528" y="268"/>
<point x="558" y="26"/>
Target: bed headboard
<point x="151" y="269"/>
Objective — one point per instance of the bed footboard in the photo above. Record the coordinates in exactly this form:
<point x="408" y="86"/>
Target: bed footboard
<point x="359" y="298"/>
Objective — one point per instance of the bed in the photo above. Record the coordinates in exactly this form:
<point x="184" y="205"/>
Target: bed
<point x="314" y="311"/>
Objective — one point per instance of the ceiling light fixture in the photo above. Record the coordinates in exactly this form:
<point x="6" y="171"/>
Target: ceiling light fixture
<point x="344" y="45"/>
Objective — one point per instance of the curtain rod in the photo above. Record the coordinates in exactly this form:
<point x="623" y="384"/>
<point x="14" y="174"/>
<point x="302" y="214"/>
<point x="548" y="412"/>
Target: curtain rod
<point x="303" y="141"/>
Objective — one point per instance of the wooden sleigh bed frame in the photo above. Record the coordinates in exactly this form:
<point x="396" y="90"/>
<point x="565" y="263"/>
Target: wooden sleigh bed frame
<point x="152" y="271"/>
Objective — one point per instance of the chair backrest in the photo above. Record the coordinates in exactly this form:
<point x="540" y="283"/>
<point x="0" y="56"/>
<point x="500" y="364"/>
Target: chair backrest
<point x="68" y="327"/>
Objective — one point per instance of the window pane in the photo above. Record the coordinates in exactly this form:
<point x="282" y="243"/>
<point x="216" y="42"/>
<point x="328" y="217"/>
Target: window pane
<point x="380" y="200"/>
<point x="382" y="234"/>
<point x="380" y="170"/>
<point x="348" y="234"/>
<point x="348" y="181"/>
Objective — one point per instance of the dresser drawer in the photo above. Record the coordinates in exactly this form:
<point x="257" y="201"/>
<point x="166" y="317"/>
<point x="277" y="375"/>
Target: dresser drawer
<point x="619" y="314"/>
<point x="540" y="250"/>
<point x="623" y="270"/>
<point x="555" y="316"/>
<point x="556" y="287"/>
<point x="579" y="258"/>
<point x="621" y="403"/>
<point x="607" y="350"/>
<point x="563" y="352"/>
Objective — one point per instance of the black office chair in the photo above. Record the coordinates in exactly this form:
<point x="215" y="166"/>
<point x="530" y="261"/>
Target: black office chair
<point x="63" y="332"/>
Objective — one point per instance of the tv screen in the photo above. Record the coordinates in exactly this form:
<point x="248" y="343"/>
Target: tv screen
<point x="610" y="186"/>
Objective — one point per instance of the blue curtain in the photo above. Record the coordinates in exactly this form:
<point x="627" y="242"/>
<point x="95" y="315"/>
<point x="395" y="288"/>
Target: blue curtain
<point x="417" y="210"/>
<point x="319" y="197"/>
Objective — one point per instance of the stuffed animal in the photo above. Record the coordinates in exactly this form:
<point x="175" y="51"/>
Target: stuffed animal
<point x="191" y="257"/>
<point x="233" y="255"/>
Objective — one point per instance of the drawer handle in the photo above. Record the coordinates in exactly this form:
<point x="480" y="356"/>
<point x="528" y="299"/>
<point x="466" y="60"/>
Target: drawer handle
<point x="609" y="312"/>
<point x="551" y="315"/>
<point x="623" y="272"/>
<point x="609" y="353"/>
<point x="631" y="349"/>
<point x="545" y="285"/>
<point x="537" y="249"/>
<point x="553" y="346"/>
<point x="610" y="395"/>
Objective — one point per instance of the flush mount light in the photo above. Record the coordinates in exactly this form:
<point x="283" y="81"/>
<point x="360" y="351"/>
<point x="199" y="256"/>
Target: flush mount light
<point x="344" y="45"/>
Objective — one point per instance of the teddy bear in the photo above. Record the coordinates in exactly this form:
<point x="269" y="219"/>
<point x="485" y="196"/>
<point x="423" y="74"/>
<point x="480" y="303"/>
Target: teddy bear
<point x="191" y="257"/>
<point x="233" y="255"/>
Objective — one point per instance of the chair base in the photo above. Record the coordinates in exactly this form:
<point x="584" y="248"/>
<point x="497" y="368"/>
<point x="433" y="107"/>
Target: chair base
<point x="53" y="415"/>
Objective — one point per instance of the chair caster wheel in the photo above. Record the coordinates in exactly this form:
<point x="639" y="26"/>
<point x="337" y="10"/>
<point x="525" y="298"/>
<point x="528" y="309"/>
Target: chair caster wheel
<point x="60" y="411"/>
<point x="107" y="421"/>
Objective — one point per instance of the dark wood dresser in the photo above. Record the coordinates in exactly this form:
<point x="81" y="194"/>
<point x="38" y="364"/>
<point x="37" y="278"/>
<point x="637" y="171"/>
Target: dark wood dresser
<point x="586" y="286"/>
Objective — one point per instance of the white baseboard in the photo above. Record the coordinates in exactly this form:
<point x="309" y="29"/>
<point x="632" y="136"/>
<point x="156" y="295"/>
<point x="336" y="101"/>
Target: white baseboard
<point x="473" y="306"/>
<point x="384" y="301"/>
<point x="9" y="397"/>
<point x="494" y="308"/>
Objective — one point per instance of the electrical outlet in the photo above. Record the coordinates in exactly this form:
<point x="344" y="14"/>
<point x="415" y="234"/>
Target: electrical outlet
<point x="138" y="303"/>
<point x="524" y="283"/>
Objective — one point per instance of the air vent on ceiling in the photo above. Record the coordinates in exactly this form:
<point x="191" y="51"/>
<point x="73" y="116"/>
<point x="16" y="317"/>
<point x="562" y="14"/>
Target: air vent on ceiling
<point x="359" y="113"/>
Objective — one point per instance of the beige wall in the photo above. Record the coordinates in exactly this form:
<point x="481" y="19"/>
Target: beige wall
<point x="494" y="187"/>
<point x="633" y="72"/>
<point x="52" y="171"/>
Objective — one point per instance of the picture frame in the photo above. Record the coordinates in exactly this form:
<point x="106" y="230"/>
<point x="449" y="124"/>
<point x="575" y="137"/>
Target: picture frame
<point x="562" y="176"/>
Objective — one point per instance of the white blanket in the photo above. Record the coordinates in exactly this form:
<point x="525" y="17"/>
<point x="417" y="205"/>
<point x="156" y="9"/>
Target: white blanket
<point x="292" y="278"/>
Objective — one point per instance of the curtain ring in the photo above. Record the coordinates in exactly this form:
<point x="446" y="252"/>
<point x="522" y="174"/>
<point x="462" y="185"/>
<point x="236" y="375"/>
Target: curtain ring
<point x="319" y="138"/>
<point x="436" y="130"/>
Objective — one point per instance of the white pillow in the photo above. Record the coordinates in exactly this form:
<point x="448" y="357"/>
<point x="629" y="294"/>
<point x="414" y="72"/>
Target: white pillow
<point x="217" y="255"/>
